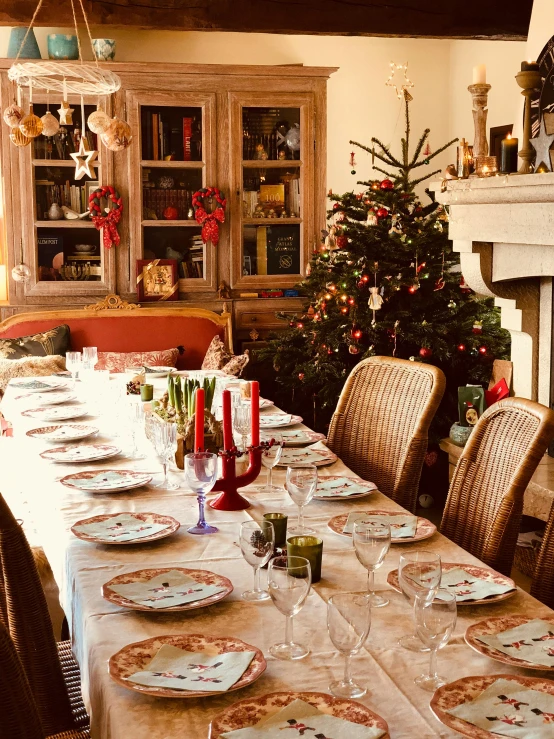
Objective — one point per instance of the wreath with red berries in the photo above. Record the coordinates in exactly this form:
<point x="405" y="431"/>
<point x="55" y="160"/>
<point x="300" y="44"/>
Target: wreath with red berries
<point x="109" y="221"/>
<point x="209" y="221"/>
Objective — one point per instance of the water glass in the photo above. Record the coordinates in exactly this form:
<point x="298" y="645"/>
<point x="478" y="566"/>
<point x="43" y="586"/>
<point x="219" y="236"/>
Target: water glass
<point x="419" y="573"/>
<point x="372" y="542"/>
<point x="301" y="485"/>
<point x="271" y="457"/>
<point x="435" y="619"/>
<point x="257" y="542"/>
<point x="289" y="580"/>
<point x="73" y="364"/>
<point x="90" y="357"/>
<point x="201" y="476"/>
<point x="242" y="422"/>
<point x="348" y="623"/>
<point x="165" y="444"/>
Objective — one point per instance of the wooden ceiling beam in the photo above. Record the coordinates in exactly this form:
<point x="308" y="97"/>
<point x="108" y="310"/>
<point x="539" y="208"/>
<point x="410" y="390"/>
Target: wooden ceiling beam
<point x="484" y="19"/>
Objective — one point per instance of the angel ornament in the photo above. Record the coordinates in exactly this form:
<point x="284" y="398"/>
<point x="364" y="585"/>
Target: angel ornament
<point x="375" y="302"/>
<point x="396" y="226"/>
<point x="330" y="239"/>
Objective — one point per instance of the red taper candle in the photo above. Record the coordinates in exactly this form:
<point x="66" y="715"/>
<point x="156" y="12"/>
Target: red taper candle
<point x="199" y="421"/>
<point x="227" y="421"/>
<point x="255" y="411"/>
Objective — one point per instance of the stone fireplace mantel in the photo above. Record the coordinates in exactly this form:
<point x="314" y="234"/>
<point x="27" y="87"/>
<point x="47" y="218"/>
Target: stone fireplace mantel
<point x="503" y="228"/>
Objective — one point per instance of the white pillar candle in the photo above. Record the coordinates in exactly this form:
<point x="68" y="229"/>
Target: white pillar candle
<point x="480" y="75"/>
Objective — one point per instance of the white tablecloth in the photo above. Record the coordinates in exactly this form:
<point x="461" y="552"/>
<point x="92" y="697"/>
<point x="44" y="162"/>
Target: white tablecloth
<point x="99" y="629"/>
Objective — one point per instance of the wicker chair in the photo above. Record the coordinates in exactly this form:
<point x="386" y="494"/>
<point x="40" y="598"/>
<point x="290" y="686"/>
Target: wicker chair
<point x="485" y="500"/>
<point x="51" y="670"/>
<point x="380" y="426"/>
<point x="542" y="586"/>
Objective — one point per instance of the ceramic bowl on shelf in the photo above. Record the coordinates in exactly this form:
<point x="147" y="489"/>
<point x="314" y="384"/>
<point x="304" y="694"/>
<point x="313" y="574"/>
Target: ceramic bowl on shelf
<point x="104" y="49"/>
<point x="62" y="46"/>
<point x="84" y="248"/>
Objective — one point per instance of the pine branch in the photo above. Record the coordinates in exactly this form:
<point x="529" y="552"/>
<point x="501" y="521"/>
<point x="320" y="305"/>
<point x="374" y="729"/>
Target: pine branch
<point x="413" y="183"/>
<point x="419" y="146"/>
<point x="389" y="174"/>
<point x="392" y="159"/>
<point x="434" y="154"/>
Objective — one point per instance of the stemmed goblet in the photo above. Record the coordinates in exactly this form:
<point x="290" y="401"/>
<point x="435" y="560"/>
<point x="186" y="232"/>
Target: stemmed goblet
<point x="301" y="485"/>
<point x="435" y="619"/>
<point x="165" y="444"/>
<point x="201" y="476"/>
<point x="270" y="457"/>
<point x="135" y="413"/>
<point x="348" y="623"/>
<point x="257" y="543"/>
<point x="289" y="580"/>
<point x="372" y="542"/>
<point x="242" y="420"/>
<point x="419" y="573"/>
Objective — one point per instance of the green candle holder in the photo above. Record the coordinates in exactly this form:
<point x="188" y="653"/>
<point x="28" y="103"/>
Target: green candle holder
<point x="279" y="521"/>
<point x="309" y="547"/>
<point x="146" y="392"/>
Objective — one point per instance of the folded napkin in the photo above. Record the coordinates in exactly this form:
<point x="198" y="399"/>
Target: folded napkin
<point x="308" y="455"/>
<point x="169" y="589"/>
<point x="343" y="486"/>
<point x="468" y="587"/>
<point x="401" y="527"/>
<point x="532" y="641"/>
<point x="294" y="435"/>
<point x="274" y="419"/>
<point x="305" y="720"/>
<point x="124" y="527"/>
<point x="507" y="708"/>
<point x="177" y="669"/>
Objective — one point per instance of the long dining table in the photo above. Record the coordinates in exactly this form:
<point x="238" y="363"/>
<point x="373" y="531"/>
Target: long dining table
<point x="99" y="629"/>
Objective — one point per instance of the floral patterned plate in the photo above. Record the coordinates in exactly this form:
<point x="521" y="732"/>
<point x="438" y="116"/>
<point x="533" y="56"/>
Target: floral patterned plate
<point x="295" y="437"/>
<point x="81" y="453"/>
<point x="299" y="457"/>
<point x="70" y="432"/>
<point x="496" y="625"/>
<point x="172" y="525"/>
<point x="369" y="488"/>
<point x="135" y="657"/>
<point x="202" y="576"/>
<point x="482" y="572"/>
<point x="467" y="689"/>
<point x="56" y="413"/>
<point x="424" y="528"/>
<point x="249" y="712"/>
<point x="278" y="420"/>
<point x="33" y="385"/>
<point x="52" y="398"/>
<point x="106" y="481"/>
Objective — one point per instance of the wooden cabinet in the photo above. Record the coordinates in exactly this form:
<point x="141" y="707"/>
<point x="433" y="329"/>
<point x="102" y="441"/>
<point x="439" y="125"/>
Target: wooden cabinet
<point x="258" y="133"/>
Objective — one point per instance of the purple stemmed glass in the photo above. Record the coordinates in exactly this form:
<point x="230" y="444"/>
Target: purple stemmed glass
<point x="200" y="476"/>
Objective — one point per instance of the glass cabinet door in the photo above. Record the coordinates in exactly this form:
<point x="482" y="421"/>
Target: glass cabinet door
<point x="174" y="157"/>
<point x="271" y="223"/>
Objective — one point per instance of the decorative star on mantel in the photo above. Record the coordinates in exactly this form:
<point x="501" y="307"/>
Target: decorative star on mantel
<point x="84" y="161"/>
<point x="541" y="144"/>
<point x="401" y="90"/>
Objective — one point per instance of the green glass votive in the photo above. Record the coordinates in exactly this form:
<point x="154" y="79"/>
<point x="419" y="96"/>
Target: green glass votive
<point x="309" y="547"/>
<point x="279" y="521"/>
<point x="147" y="392"/>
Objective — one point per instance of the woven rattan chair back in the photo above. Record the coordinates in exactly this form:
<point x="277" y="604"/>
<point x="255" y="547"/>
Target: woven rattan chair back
<point x="381" y="423"/>
<point x="485" y="501"/>
<point x="542" y="586"/>
<point x="29" y="626"/>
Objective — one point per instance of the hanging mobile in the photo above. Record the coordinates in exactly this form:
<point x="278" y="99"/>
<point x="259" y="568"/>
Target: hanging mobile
<point x="21" y="272"/>
<point x="84" y="159"/>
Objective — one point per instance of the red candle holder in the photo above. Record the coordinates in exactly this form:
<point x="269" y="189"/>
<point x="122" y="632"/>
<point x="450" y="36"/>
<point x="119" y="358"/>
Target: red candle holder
<point x="230" y="482"/>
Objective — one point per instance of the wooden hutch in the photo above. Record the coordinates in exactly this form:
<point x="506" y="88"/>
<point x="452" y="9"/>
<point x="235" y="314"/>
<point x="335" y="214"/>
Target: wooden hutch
<point x="193" y="126"/>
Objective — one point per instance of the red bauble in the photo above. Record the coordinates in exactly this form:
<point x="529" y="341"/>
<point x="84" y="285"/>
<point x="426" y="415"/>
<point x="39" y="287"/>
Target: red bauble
<point x="300" y="376"/>
<point x="461" y="347"/>
<point x="342" y="242"/>
<point x="382" y="213"/>
<point x="386" y="185"/>
<point x="477" y="327"/>
<point x="361" y="284"/>
<point x="171" y="213"/>
<point x="425" y="352"/>
<point x="353" y="349"/>
<point x="336" y="206"/>
<point x="482" y="350"/>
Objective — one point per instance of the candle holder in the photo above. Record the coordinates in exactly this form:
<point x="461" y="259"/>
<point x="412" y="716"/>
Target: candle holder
<point x="479" y="94"/>
<point x="529" y="81"/>
<point x="230" y="482"/>
<point x="486" y="166"/>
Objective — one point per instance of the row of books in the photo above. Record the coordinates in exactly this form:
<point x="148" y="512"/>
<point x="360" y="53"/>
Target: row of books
<point x="171" y="137"/>
<point x="73" y="196"/>
<point x="155" y="200"/>
<point x="193" y="264"/>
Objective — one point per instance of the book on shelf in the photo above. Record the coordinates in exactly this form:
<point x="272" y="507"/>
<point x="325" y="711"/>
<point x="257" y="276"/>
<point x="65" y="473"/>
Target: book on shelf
<point x="187" y="135"/>
<point x="261" y="250"/>
<point x="278" y="250"/>
<point x="272" y="197"/>
<point x="155" y="136"/>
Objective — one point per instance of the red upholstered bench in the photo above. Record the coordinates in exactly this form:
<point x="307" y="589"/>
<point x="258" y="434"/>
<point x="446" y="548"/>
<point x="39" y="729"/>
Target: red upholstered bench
<point x="126" y="327"/>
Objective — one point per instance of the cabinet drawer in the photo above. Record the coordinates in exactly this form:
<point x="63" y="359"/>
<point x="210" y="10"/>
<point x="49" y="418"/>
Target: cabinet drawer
<point x="262" y="320"/>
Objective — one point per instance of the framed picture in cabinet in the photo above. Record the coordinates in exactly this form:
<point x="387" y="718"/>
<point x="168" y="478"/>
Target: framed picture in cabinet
<point x="157" y="280"/>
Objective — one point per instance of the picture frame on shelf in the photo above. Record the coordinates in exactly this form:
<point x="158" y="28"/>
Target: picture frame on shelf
<point x="90" y="186"/>
<point x="157" y="280"/>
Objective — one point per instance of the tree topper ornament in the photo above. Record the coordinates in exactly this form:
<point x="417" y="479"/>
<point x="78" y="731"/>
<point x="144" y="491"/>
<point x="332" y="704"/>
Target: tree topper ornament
<point x="402" y="89"/>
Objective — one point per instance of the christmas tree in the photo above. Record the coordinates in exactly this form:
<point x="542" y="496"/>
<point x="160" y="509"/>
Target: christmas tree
<point x="386" y="281"/>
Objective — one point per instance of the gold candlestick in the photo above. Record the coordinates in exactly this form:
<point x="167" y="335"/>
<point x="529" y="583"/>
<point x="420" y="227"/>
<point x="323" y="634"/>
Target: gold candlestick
<point x="479" y="94"/>
<point x="529" y="81"/>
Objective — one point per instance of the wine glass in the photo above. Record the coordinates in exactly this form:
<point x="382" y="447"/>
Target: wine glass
<point x="419" y="573"/>
<point x="135" y="415"/>
<point x="165" y="444"/>
<point x="372" y="542"/>
<point x="242" y="422"/>
<point x="257" y="542"/>
<point x="201" y="476"/>
<point x="435" y="618"/>
<point x="73" y="364"/>
<point x="288" y="581"/>
<point x="348" y="622"/>
<point x="301" y="485"/>
<point x="270" y="457"/>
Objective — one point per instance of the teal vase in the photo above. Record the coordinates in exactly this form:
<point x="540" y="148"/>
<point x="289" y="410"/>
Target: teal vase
<point x="29" y="51"/>
<point x="62" y="46"/>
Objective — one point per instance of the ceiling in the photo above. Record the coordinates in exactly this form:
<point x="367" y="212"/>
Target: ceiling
<point x="484" y="19"/>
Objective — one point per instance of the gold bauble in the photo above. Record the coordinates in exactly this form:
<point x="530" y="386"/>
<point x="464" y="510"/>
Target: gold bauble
<point x="13" y="115"/>
<point x="31" y="125"/>
<point x="98" y="121"/>
<point x="50" y="124"/>
<point x="18" y="138"/>
<point x="117" y="135"/>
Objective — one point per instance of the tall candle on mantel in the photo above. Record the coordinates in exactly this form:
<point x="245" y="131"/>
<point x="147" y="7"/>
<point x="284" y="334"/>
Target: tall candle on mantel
<point x="227" y="421"/>
<point x="255" y="411"/>
<point x="199" y="421"/>
<point x="508" y="154"/>
<point x="480" y="75"/>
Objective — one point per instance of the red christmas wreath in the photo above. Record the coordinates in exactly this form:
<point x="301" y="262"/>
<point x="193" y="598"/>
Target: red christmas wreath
<point x="210" y="221"/>
<point x="109" y="221"/>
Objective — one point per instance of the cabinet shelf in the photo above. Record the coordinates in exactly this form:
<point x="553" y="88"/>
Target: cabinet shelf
<point x="270" y="221"/>
<point x="171" y="223"/>
<point x="270" y="163"/>
<point x="171" y="164"/>
<point x="64" y="224"/>
<point x="60" y="163"/>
